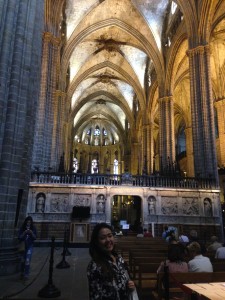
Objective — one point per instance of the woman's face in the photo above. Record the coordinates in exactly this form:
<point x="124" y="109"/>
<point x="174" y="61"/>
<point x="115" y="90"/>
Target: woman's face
<point x="28" y="223"/>
<point x="106" y="240"/>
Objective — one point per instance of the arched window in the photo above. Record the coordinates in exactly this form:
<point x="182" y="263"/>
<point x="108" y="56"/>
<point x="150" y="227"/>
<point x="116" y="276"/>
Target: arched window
<point x="116" y="167"/>
<point x="97" y="131"/>
<point x="94" y="166"/>
<point x="75" y="165"/>
<point x="216" y="123"/>
<point x="181" y="141"/>
<point x="173" y="7"/>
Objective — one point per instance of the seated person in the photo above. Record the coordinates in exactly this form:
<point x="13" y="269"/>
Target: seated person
<point x="140" y="231"/>
<point x="175" y="261"/>
<point x="171" y="238"/>
<point x="193" y="237"/>
<point x="220" y="252"/>
<point x="198" y="262"/>
<point x="147" y="233"/>
<point x="183" y="239"/>
<point x="213" y="246"/>
<point x="165" y="232"/>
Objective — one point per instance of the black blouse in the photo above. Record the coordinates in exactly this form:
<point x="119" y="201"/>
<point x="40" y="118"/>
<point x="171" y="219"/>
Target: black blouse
<point x="101" y="287"/>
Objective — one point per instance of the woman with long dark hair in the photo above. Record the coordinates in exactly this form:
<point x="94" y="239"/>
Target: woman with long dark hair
<point x="27" y="234"/>
<point x="106" y="272"/>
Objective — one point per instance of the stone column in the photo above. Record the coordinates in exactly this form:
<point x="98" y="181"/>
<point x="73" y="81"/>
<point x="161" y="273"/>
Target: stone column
<point x="20" y="64"/>
<point x="58" y="133"/>
<point x="108" y="212"/>
<point x="135" y="158"/>
<point x="203" y="127"/>
<point x="166" y="131"/>
<point x="189" y="152"/>
<point x="144" y="169"/>
<point x="45" y="119"/>
<point x="150" y="149"/>
<point x="220" y="107"/>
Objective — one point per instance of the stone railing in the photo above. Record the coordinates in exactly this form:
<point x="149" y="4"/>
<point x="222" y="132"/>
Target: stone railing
<point x="124" y="179"/>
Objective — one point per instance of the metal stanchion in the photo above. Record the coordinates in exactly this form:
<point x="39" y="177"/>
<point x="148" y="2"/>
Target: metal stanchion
<point x="166" y="282"/>
<point x="50" y="291"/>
<point x="66" y="240"/>
<point x="63" y="264"/>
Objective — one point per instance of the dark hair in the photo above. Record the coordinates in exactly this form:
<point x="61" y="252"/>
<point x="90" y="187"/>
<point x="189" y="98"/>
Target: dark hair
<point x="94" y="249"/>
<point x="194" y="248"/>
<point x="24" y="226"/>
<point x="176" y="252"/>
<point x="97" y="254"/>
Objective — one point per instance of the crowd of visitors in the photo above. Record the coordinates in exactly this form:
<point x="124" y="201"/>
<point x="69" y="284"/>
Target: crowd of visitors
<point x="196" y="253"/>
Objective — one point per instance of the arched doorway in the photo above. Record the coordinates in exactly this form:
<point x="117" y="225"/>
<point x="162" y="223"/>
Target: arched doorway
<point x="126" y="210"/>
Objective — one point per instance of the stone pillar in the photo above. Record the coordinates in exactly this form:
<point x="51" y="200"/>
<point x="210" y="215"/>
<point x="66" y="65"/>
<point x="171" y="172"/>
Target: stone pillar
<point x="108" y="212"/>
<point x="150" y="149"/>
<point x="220" y="107"/>
<point x="58" y="133"/>
<point x="189" y="153"/>
<point x="144" y="169"/>
<point x="135" y="159"/>
<point x="203" y="127"/>
<point x="20" y="66"/>
<point x="166" y="131"/>
<point x="46" y="111"/>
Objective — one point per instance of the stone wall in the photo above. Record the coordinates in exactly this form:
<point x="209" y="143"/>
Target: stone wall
<point x="51" y="207"/>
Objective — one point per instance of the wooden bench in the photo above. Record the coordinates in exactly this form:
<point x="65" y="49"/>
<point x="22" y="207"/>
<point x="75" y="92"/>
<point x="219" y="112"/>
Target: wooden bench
<point x="143" y="253"/>
<point x="146" y="279"/>
<point x="174" y="288"/>
<point x="127" y="252"/>
<point x="140" y="257"/>
<point x="143" y="259"/>
<point x="218" y="265"/>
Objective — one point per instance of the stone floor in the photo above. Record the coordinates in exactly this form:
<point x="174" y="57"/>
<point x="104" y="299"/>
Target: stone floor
<point x="70" y="283"/>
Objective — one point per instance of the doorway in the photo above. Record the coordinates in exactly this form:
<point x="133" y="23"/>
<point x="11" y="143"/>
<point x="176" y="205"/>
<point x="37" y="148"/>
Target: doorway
<point x="126" y="212"/>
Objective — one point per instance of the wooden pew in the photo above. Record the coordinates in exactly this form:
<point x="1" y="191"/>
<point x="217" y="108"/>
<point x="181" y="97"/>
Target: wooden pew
<point x="143" y="259"/>
<point x="144" y="256"/>
<point x="176" y="289"/>
<point x="219" y="265"/>
<point x="146" y="279"/>
<point x="126" y="251"/>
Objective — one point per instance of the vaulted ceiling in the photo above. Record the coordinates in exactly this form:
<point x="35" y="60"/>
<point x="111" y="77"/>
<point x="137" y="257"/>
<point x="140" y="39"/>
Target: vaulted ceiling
<point x="112" y="46"/>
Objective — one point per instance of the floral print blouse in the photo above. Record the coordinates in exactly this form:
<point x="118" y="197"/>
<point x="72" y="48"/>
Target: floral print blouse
<point x="102" y="288"/>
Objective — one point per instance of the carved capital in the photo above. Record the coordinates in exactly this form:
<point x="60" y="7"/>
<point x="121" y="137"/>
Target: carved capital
<point x="220" y="102"/>
<point x="198" y="50"/>
<point x="166" y="99"/>
<point x="47" y="36"/>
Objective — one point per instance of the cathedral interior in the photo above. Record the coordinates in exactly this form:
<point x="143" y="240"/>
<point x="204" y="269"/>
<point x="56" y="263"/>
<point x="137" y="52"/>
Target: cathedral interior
<point x="94" y="87"/>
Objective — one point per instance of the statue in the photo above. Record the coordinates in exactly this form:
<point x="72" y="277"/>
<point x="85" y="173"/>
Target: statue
<point x="151" y="206"/>
<point x="40" y="204"/>
<point x="207" y="207"/>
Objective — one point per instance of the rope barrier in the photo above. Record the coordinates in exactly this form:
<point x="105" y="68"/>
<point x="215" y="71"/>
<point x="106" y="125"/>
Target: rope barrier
<point x="28" y="285"/>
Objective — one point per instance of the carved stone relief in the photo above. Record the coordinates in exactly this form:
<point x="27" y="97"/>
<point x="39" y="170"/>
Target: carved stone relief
<point x="60" y="203"/>
<point x="82" y="200"/>
<point x="190" y="206"/>
<point x="169" y="206"/>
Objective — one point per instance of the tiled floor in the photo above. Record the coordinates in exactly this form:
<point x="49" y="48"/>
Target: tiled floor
<point x="70" y="282"/>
